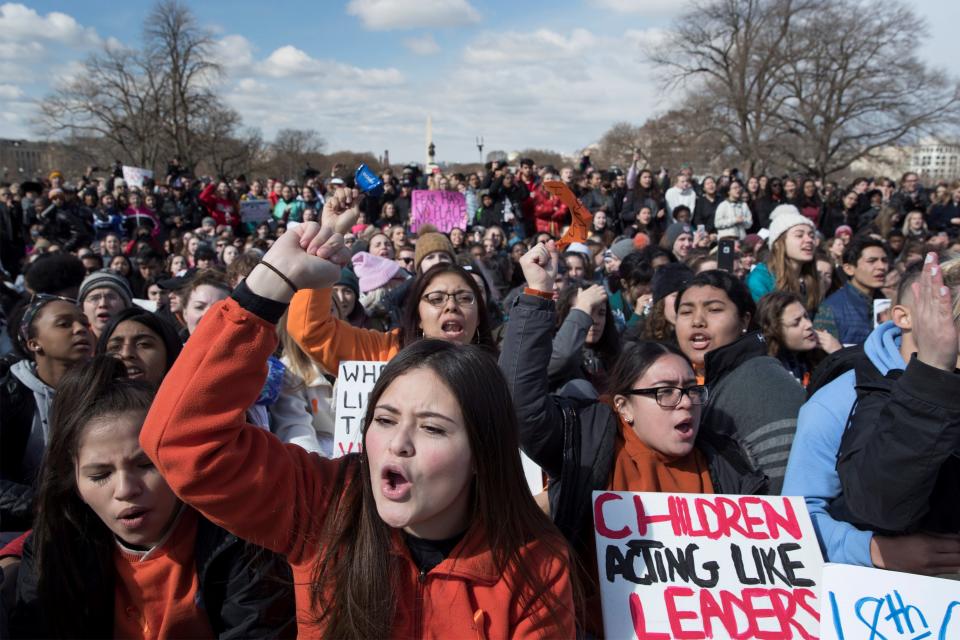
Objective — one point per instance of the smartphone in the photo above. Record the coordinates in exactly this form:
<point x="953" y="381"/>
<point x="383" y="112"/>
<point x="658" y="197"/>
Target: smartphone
<point x="725" y="254"/>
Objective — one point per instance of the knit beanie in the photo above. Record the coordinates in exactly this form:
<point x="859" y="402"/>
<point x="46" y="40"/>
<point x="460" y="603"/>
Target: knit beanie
<point x="429" y="243"/>
<point x="622" y="248"/>
<point x="784" y="217"/>
<point x="373" y="271"/>
<point x="641" y="241"/>
<point x="349" y="279"/>
<point x="579" y="247"/>
<point x="670" y="278"/>
<point x="674" y="231"/>
<point x="109" y="279"/>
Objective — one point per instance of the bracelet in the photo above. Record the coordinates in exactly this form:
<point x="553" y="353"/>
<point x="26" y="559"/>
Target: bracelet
<point x="546" y="295"/>
<point x="279" y="273"/>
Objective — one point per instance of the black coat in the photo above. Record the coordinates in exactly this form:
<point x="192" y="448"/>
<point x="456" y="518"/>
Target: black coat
<point x="573" y="440"/>
<point x="246" y="591"/>
<point x="17" y="406"/>
<point x="899" y="460"/>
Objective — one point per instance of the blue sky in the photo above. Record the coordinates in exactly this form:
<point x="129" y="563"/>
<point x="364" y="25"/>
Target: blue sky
<point x="365" y="73"/>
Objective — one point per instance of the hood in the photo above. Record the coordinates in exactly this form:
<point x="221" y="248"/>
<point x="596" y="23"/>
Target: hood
<point x="25" y="371"/>
<point x="722" y="361"/>
<point x="883" y="347"/>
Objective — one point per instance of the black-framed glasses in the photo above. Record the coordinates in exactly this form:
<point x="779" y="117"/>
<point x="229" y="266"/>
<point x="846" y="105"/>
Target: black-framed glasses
<point x="669" y="397"/>
<point x="439" y="298"/>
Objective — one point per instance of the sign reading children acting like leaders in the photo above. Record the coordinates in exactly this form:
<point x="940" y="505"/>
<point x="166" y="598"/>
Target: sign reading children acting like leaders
<point x="446" y="210"/>
<point x="706" y="566"/>
<point x="354" y="383"/>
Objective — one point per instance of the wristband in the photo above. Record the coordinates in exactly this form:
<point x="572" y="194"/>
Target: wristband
<point x="546" y="295"/>
<point x="279" y="273"/>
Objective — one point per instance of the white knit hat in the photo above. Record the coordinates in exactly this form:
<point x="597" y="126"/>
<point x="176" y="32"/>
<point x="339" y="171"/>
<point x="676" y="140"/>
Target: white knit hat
<point x="782" y="218"/>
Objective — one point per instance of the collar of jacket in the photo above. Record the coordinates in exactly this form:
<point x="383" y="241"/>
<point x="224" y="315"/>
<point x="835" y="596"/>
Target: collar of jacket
<point x="722" y="361"/>
<point x="471" y="560"/>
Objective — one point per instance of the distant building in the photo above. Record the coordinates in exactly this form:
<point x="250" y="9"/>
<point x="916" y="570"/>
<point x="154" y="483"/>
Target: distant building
<point x="23" y="160"/>
<point x="935" y="160"/>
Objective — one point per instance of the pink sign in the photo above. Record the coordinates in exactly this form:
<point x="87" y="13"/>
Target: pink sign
<point x="446" y="210"/>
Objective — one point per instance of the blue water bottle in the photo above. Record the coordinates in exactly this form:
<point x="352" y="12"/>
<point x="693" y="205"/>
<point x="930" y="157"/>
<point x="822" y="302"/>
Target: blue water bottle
<point x="368" y="182"/>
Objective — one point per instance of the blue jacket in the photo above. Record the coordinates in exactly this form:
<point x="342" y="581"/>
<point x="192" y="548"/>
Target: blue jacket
<point x="760" y="281"/>
<point x="812" y="467"/>
<point x="852" y="312"/>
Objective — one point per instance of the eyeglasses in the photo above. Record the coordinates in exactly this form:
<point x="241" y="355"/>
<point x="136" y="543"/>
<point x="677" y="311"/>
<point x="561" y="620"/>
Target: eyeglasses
<point x="109" y="297"/>
<point x="439" y="298"/>
<point x="669" y="397"/>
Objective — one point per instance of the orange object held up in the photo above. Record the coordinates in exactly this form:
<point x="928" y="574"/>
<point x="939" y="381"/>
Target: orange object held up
<point x="581" y="218"/>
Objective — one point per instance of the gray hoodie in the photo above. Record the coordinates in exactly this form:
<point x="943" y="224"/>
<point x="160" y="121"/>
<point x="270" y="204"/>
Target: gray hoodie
<point x="26" y="372"/>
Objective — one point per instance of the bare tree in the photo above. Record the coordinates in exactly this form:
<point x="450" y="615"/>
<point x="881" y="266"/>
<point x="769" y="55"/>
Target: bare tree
<point x="293" y="149"/>
<point x="115" y="97"/>
<point x="859" y="87"/>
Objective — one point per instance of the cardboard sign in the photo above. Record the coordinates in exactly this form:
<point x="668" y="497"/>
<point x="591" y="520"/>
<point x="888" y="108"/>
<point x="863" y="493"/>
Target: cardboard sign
<point x="134" y="176"/>
<point x="255" y="211"/>
<point x="870" y="604"/>
<point x="706" y="566"/>
<point x="355" y="381"/>
<point x="581" y="218"/>
<point x="446" y="210"/>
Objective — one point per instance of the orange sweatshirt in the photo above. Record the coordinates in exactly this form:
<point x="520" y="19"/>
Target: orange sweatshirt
<point x="155" y="595"/>
<point x="277" y="495"/>
<point x="329" y="340"/>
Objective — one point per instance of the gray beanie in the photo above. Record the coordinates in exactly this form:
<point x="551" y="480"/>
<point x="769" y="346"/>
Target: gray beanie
<point x="622" y="248"/>
<point x="106" y="278"/>
<point x="674" y="231"/>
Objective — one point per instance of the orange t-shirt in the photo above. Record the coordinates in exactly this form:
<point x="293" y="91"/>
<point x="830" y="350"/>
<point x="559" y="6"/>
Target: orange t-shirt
<point x="156" y="592"/>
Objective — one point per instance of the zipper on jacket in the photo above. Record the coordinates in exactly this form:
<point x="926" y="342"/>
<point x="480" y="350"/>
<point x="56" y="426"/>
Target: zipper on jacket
<point x="418" y="609"/>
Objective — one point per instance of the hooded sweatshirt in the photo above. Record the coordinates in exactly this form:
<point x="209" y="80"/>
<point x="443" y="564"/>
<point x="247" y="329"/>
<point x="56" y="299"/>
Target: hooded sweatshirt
<point x="26" y="372"/>
<point x="812" y="467"/>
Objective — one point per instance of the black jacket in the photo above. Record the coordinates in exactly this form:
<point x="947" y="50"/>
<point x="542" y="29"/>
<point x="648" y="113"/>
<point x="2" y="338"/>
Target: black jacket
<point x="17" y="406"/>
<point x="704" y="212"/>
<point x="573" y="440"/>
<point x="246" y="591"/>
<point x="899" y="460"/>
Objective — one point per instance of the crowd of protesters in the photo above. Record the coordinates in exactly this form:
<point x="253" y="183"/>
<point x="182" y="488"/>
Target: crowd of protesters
<point x="168" y="372"/>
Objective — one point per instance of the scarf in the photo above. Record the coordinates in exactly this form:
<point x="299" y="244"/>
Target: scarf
<point x="637" y="467"/>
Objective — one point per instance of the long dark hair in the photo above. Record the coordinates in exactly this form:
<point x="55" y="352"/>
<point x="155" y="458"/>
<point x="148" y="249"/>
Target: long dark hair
<point x="69" y="539"/>
<point x="410" y="330"/>
<point x="608" y="345"/>
<point x="769" y="318"/>
<point x="355" y="584"/>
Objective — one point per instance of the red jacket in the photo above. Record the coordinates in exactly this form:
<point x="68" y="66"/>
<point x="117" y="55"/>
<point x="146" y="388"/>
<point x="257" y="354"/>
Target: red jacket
<point x="550" y="212"/>
<point x="223" y="210"/>
<point x="262" y="490"/>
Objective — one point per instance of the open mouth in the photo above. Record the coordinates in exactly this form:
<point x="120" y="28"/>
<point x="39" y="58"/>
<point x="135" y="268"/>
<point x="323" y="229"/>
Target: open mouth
<point x="103" y="317"/>
<point x="452" y="329"/>
<point x="700" y="341"/>
<point x="685" y="429"/>
<point x="134" y="372"/>
<point x="394" y="484"/>
<point x="133" y="518"/>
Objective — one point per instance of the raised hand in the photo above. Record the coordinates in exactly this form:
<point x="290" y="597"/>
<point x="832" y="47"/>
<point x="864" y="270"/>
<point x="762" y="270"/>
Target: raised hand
<point x="539" y="268"/>
<point x="309" y="254"/>
<point x="340" y="210"/>
<point x="591" y="298"/>
<point x="933" y="328"/>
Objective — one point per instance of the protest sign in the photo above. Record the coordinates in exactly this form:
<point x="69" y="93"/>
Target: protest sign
<point x="706" y="566"/>
<point x="446" y="210"/>
<point x="354" y="383"/>
<point x="873" y="604"/>
<point x="255" y="211"/>
<point x="134" y="176"/>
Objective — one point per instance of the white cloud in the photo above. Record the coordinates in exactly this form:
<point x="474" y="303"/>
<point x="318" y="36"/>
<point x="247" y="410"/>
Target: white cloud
<point x="422" y="46"/>
<point x="233" y="52"/>
<point x="10" y="92"/>
<point x="20" y="23"/>
<point x="542" y="45"/>
<point x="383" y="15"/>
<point x="648" y="7"/>
<point x="289" y="61"/>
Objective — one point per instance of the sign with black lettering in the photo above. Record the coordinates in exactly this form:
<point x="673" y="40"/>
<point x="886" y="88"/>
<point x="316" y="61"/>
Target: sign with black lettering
<point x="354" y="383"/>
<point x="677" y="565"/>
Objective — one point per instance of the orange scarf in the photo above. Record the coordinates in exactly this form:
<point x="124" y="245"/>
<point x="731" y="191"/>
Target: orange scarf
<point x="637" y="467"/>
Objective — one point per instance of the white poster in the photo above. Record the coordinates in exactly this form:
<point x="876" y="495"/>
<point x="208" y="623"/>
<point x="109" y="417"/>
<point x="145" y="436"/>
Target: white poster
<point x="134" y="176"/>
<point x="677" y="565"/>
